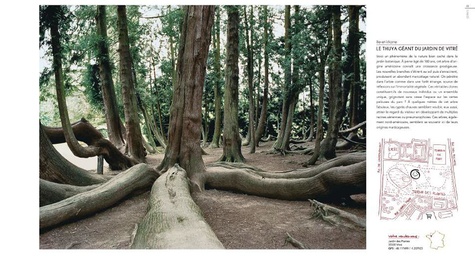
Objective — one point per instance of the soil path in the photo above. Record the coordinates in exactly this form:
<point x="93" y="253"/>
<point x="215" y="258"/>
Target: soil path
<point x="239" y="221"/>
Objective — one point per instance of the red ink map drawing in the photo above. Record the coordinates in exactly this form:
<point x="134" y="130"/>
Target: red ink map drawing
<point x="417" y="180"/>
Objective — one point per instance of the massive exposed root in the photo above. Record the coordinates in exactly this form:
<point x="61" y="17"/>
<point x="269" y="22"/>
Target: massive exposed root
<point x="173" y="220"/>
<point x="328" y="183"/>
<point x="139" y="177"/>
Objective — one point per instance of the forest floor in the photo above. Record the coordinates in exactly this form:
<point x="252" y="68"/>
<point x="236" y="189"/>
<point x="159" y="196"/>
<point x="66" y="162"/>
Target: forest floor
<point x="240" y="221"/>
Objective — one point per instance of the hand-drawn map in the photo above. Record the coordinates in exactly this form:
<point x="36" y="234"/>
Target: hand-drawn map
<point x="417" y="180"/>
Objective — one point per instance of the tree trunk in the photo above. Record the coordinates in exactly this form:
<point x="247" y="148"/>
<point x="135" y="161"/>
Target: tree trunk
<point x="86" y="133"/>
<point x="73" y="144"/>
<point x="323" y="56"/>
<point x="336" y="105"/>
<point x="173" y="220"/>
<point x="185" y="114"/>
<point x="354" y="60"/>
<point x="139" y="177"/>
<point x="263" y="116"/>
<point x="250" y="79"/>
<point x="279" y="145"/>
<point x="231" y="137"/>
<point x="132" y="122"/>
<point x="148" y="126"/>
<point x="217" y="87"/>
<point x="107" y="83"/>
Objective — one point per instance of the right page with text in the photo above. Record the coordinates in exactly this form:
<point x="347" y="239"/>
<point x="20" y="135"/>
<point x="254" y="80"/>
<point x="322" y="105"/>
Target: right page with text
<point x="420" y="99"/>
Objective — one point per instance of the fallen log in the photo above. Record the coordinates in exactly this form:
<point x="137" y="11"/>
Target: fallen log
<point x="173" y="220"/>
<point x="139" y="177"/>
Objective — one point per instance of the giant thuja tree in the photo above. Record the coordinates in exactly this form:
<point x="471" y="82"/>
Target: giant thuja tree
<point x="185" y="115"/>
<point x="173" y="220"/>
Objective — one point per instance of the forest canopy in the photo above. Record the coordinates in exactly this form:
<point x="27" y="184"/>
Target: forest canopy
<point x="154" y="33"/>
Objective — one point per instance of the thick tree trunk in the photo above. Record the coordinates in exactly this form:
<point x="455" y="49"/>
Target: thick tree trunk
<point x="231" y="138"/>
<point x="185" y="115"/>
<point x="107" y="83"/>
<point x="132" y="122"/>
<point x="55" y="168"/>
<point x="86" y="133"/>
<point x="173" y="220"/>
<point x="139" y="177"/>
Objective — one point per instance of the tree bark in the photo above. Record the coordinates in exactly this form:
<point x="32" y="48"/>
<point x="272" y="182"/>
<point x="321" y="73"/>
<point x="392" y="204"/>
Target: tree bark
<point x="132" y="122"/>
<point x="250" y="78"/>
<point x="217" y="83"/>
<point x="51" y="192"/>
<point x="323" y="56"/>
<point x="354" y="60"/>
<point x="329" y="185"/>
<point x="336" y="105"/>
<point x="279" y="144"/>
<point x="86" y="133"/>
<point x="139" y="177"/>
<point x="231" y="138"/>
<point x="107" y="83"/>
<point x="263" y="116"/>
<point x="73" y="144"/>
<point x="185" y="115"/>
<point x="173" y="220"/>
<point x="344" y="160"/>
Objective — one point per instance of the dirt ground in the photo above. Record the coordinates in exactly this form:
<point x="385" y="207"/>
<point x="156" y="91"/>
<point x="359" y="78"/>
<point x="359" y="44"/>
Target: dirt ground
<point x="239" y="221"/>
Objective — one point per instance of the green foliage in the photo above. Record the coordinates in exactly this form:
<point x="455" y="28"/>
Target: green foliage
<point x="92" y="84"/>
<point x="154" y="46"/>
